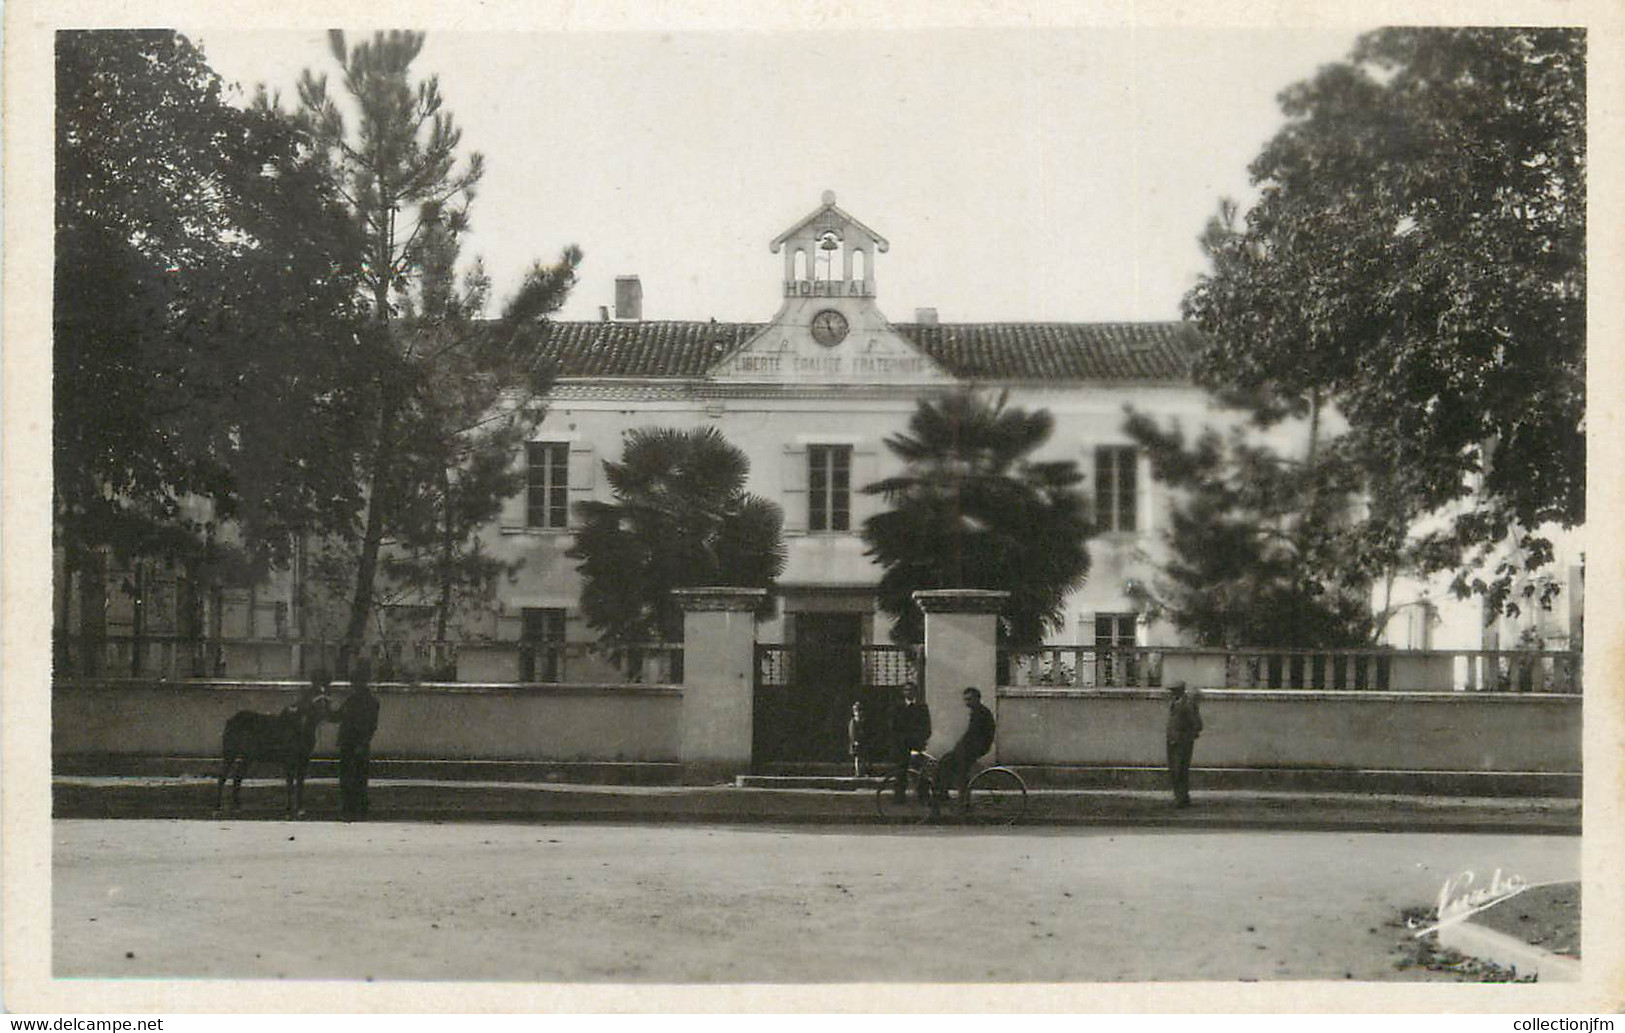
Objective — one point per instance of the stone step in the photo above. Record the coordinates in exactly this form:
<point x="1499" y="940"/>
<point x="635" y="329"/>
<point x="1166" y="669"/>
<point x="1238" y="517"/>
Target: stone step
<point x="1315" y="780"/>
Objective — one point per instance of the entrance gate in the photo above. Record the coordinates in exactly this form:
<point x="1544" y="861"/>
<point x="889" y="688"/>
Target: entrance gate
<point x="805" y="691"/>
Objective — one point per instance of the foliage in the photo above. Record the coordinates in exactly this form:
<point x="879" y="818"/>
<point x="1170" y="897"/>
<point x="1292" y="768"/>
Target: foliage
<point x="435" y="450"/>
<point x="1265" y="551"/>
<point x="681" y="519"/>
<point x="199" y="292"/>
<point x="974" y="510"/>
<point x="1417" y="259"/>
<point x="474" y="403"/>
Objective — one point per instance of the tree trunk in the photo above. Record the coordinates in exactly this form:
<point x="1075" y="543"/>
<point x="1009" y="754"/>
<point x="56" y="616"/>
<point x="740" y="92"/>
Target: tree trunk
<point x="93" y="612"/>
<point x="1314" y="429"/>
<point x="138" y="616"/>
<point x="367" y="566"/>
<point x="60" y="633"/>
<point x="298" y="622"/>
<point x="217" y="627"/>
<point x="1380" y="624"/>
<point x="378" y="477"/>
<point x="448" y="548"/>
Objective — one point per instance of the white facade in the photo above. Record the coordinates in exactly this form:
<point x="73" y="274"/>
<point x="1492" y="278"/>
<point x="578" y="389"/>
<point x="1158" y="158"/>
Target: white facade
<point x="829" y="369"/>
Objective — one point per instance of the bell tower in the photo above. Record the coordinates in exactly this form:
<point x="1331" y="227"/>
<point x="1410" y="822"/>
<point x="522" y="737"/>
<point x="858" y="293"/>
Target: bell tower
<point x="829" y="254"/>
<point x="828" y="329"/>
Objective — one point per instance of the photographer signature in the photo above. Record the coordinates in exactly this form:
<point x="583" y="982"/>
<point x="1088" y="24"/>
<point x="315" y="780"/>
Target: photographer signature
<point x="1459" y="899"/>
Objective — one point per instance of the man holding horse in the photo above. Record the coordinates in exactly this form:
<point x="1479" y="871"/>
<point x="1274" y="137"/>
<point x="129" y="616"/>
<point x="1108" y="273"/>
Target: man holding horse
<point x="358" y="720"/>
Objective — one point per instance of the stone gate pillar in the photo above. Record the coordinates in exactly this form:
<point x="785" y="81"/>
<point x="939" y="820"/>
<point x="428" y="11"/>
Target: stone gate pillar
<point x="719" y="657"/>
<point x="961" y="649"/>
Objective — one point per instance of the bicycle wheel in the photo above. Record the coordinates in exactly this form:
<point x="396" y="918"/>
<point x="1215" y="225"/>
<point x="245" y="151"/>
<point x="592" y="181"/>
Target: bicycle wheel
<point x="911" y="808"/>
<point x="998" y="796"/>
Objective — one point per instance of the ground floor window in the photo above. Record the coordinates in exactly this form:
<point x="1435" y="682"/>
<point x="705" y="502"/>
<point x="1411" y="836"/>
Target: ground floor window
<point x="541" y="643"/>
<point x="1117" y="629"/>
<point x="1115" y="635"/>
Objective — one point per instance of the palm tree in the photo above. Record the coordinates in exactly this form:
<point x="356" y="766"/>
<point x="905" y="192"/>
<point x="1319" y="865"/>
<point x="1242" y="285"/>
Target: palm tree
<point x="972" y="510"/>
<point x="681" y="519"/>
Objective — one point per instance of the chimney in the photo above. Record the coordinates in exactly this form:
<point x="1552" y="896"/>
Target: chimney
<point x="628" y="297"/>
<point x="603" y="313"/>
<point x="925" y="316"/>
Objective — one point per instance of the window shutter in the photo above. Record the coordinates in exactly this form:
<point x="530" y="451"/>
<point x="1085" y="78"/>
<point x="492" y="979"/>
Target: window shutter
<point x="1094" y="474"/>
<point x="1147" y="517"/>
<point x="1088" y="662"/>
<point x="509" y="625"/>
<point x="865" y="471"/>
<point x="576" y="628"/>
<point x="793" y="488"/>
<point x="512" y="517"/>
<point x="583" y="476"/>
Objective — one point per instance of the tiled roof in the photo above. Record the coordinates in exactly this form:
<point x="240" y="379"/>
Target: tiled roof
<point x="1059" y="351"/>
<point x="640" y="349"/>
<point x="980" y="351"/>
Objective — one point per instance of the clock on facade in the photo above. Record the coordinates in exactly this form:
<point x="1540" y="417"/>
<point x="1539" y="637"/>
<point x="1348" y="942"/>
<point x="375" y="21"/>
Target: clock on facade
<point x="829" y="328"/>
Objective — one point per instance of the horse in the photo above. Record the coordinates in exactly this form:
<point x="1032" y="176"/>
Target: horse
<point x="287" y="738"/>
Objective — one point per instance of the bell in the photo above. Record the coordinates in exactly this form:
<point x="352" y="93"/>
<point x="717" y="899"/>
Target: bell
<point x="829" y="243"/>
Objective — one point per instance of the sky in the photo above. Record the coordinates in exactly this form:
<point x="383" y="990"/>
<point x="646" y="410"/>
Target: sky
<point x="1018" y="173"/>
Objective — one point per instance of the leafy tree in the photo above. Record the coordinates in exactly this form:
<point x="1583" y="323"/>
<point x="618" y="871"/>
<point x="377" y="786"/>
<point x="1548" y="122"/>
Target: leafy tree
<point x="1417" y="259"/>
<point x="1267" y="550"/>
<point x="974" y="510"/>
<point x="199" y="290"/>
<point x="681" y="519"/>
<point x="407" y="195"/>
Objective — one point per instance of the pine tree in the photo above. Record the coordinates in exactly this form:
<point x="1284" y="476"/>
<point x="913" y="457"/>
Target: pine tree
<point x="408" y="193"/>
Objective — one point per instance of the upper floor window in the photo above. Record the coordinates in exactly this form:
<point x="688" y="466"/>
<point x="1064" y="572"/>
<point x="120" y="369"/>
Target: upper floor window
<point x="1117" y="488"/>
<point x="547" y="485"/>
<point x="829" y="487"/>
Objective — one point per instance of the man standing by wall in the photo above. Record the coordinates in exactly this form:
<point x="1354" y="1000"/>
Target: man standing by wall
<point x="358" y="720"/>
<point x="1184" y="725"/>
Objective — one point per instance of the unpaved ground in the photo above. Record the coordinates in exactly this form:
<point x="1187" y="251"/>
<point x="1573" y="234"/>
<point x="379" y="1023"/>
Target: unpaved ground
<point x="754" y="904"/>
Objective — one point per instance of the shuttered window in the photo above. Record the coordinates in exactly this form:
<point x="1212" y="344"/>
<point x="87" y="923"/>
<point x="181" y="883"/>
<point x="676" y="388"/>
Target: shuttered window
<point x="541" y="644"/>
<point x="1117" y="488"/>
<point x="547" y="482"/>
<point x="829" y="487"/>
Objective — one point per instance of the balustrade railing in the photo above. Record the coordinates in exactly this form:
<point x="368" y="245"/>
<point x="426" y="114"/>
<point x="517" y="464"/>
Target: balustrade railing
<point x="177" y="658"/>
<point x="1352" y="670"/>
<point x="1085" y="667"/>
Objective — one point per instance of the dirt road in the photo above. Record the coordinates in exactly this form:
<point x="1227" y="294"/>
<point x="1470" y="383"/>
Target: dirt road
<point x="754" y="904"/>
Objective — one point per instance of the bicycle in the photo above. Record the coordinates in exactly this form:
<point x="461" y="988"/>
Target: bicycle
<point x="997" y="795"/>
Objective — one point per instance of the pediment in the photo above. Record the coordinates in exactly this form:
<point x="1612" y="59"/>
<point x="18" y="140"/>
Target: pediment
<point x="786" y="350"/>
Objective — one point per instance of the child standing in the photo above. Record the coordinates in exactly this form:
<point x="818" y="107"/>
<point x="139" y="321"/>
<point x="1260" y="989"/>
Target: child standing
<point x="857" y="739"/>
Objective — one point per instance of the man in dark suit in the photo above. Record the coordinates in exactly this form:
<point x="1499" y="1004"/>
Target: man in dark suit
<point x="358" y="720"/>
<point x="1184" y="725"/>
<point x="911" y="730"/>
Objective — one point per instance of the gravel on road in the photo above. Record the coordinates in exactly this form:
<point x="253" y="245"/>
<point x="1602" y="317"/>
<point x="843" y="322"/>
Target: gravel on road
<point x="762" y="903"/>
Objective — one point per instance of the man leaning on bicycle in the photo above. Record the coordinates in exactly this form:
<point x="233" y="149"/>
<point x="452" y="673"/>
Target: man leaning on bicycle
<point x="955" y="766"/>
<point x="911" y="730"/>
